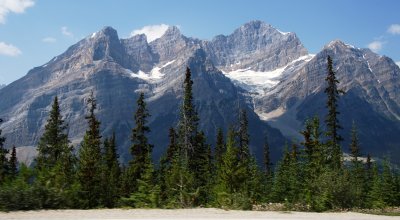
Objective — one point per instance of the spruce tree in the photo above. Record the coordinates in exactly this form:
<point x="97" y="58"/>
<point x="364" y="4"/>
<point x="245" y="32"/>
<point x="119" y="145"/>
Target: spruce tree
<point x="357" y="174"/>
<point x="147" y="194"/>
<point x="267" y="159"/>
<point x="181" y="169"/>
<point x="188" y="122"/>
<point x="90" y="160"/>
<point x="54" y="141"/>
<point x="332" y="121"/>
<point x="140" y="148"/>
<point x="219" y="146"/>
<point x="229" y="181"/>
<point x="200" y="166"/>
<point x="165" y="164"/>
<point x="243" y="136"/>
<point x="3" y="158"/>
<point x="13" y="163"/>
<point x="388" y="190"/>
<point x="112" y="171"/>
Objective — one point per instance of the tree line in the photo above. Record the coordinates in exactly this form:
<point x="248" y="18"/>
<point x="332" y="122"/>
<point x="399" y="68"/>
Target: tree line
<point x="312" y="174"/>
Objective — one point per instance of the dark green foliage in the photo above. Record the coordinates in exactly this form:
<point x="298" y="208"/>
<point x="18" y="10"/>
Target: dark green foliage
<point x="243" y="136"/>
<point x="111" y="173"/>
<point x="357" y="172"/>
<point x="200" y="166"/>
<point x="13" y="163"/>
<point x="148" y="193"/>
<point x="228" y="188"/>
<point x="220" y="147"/>
<point x="179" y="183"/>
<point x="140" y="146"/>
<point x="90" y="160"/>
<point x="54" y="141"/>
<point x="267" y="160"/>
<point x="166" y="163"/>
<point x="3" y="159"/>
<point x="332" y="121"/>
<point x="188" y="122"/>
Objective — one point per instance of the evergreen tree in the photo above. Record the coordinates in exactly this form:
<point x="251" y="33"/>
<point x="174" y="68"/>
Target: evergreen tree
<point x="267" y="159"/>
<point x="243" y="136"/>
<point x="3" y="158"/>
<point x="332" y="121"/>
<point x="13" y="163"/>
<point x="375" y="195"/>
<point x="357" y="174"/>
<point x="229" y="187"/>
<point x="140" y="148"/>
<point x="54" y="141"/>
<point x="180" y="183"/>
<point x="90" y="160"/>
<point x="147" y="194"/>
<point x="165" y="164"/>
<point x="219" y="147"/>
<point x="200" y="165"/>
<point x="181" y="179"/>
<point x="188" y="122"/>
<point x="388" y="190"/>
<point x="111" y="178"/>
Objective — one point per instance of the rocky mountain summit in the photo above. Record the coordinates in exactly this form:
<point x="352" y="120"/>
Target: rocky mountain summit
<point x="259" y="68"/>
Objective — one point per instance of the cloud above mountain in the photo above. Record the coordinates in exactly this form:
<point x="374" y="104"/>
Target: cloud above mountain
<point x="394" y="29"/>
<point x="152" y="32"/>
<point x="9" y="50"/>
<point x="13" y="6"/>
<point x="376" y="45"/>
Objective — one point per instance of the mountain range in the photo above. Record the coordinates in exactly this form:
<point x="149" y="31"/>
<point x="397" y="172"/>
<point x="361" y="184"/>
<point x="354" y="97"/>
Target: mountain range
<point x="267" y="72"/>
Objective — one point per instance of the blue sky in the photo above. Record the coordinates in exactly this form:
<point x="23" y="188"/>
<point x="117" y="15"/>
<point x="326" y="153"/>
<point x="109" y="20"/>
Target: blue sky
<point x="34" y="31"/>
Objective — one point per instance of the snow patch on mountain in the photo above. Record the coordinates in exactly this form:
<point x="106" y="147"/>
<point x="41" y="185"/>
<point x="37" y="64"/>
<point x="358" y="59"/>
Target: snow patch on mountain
<point x="398" y="63"/>
<point x="256" y="81"/>
<point x="154" y="75"/>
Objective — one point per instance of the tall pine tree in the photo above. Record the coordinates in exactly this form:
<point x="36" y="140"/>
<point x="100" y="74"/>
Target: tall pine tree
<point x="54" y="141"/>
<point x="219" y="147"/>
<point x="332" y="121"/>
<point x="3" y="158"/>
<point x="188" y="122"/>
<point x="13" y="163"/>
<point x="111" y="172"/>
<point x="90" y="160"/>
<point x="243" y="136"/>
<point x="140" y="148"/>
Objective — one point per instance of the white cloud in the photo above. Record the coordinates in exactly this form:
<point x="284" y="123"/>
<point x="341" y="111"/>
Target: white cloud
<point x="14" y="6"/>
<point x="9" y="50"/>
<point x="398" y="63"/>
<point x="152" y="32"/>
<point x="66" y="32"/>
<point x="49" y="40"/>
<point x="375" y="46"/>
<point x="394" y="29"/>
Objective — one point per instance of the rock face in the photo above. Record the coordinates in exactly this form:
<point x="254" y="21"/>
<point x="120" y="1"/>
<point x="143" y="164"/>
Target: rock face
<point x="255" y="45"/>
<point x="258" y="68"/>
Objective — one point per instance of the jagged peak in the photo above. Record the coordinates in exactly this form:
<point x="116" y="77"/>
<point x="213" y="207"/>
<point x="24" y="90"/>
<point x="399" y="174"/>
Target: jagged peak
<point x="338" y="44"/>
<point x="172" y="30"/>
<point x="105" y="31"/>
<point x="260" y="25"/>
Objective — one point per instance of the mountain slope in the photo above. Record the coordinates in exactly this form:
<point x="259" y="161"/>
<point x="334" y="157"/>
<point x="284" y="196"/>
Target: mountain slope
<point x="371" y="83"/>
